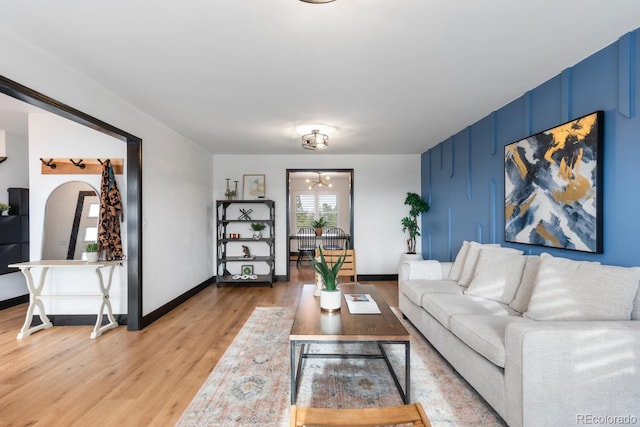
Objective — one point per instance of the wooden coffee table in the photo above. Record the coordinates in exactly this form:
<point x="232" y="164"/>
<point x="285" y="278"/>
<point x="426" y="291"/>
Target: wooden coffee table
<point x="310" y="326"/>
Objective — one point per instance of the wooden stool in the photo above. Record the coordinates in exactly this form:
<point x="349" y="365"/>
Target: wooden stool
<point x="412" y="414"/>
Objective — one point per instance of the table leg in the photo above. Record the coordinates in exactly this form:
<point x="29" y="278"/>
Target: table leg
<point x="293" y="373"/>
<point x="98" y="329"/>
<point x="407" y="372"/>
<point x="34" y="301"/>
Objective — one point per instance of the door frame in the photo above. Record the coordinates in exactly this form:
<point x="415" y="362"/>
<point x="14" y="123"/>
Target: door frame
<point x="288" y="207"/>
<point x="135" y="320"/>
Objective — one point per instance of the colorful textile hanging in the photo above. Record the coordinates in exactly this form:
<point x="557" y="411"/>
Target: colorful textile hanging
<point x="111" y="214"/>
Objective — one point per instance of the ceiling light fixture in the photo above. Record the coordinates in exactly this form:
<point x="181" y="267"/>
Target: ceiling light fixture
<point x="320" y="182"/>
<point x="315" y="140"/>
<point x="317" y="1"/>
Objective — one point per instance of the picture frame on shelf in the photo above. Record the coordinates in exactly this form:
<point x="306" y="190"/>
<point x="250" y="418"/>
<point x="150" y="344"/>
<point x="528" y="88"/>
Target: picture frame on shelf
<point x="553" y="186"/>
<point x="253" y="186"/>
<point x="247" y="269"/>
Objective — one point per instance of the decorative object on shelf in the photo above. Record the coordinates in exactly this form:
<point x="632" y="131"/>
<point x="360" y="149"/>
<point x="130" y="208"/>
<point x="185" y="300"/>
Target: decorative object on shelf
<point x="244" y="214"/>
<point x="553" y="186"/>
<point x="253" y="187"/>
<point x="4" y="208"/>
<point x="330" y="296"/>
<point x="417" y="205"/>
<point x="92" y="252"/>
<point x="319" y="224"/>
<point x="244" y="276"/>
<point x="315" y="140"/>
<point x="257" y="228"/>
<point x="320" y="182"/>
<point x="246" y="251"/>
<point x="247" y="269"/>
<point x="234" y="236"/>
<point x="229" y="193"/>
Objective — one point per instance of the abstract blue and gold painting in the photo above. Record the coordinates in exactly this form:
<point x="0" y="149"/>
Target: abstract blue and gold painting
<point x="552" y="187"/>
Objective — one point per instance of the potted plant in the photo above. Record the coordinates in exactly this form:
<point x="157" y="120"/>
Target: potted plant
<point x="4" y="208"/>
<point x="257" y="228"/>
<point x="417" y="205"/>
<point x="92" y="252"/>
<point x="319" y="224"/>
<point x="330" y="296"/>
<point x="230" y="194"/>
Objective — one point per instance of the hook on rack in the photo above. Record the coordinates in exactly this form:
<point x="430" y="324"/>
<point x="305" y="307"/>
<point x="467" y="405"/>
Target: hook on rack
<point x="78" y="164"/>
<point x="49" y="163"/>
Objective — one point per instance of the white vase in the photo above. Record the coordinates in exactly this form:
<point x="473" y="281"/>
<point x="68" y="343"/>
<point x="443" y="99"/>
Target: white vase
<point x="92" y="256"/>
<point x="330" y="300"/>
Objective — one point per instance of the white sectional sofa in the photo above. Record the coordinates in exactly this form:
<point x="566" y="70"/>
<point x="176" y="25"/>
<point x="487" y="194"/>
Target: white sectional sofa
<point x="546" y="341"/>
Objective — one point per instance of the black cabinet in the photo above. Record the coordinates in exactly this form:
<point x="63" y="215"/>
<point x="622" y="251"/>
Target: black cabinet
<point x="233" y="225"/>
<point x="14" y="230"/>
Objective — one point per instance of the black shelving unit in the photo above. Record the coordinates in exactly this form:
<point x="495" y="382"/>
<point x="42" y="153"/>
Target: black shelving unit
<point x="230" y="259"/>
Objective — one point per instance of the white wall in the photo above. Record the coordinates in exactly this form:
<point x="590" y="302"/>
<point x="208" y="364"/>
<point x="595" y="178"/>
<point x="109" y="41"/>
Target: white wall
<point x="380" y="185"/>
<point x="13" y="174"/>
<point x="177" y="189"/>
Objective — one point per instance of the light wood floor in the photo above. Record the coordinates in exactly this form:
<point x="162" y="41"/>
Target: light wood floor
<point x="61" y="377"/>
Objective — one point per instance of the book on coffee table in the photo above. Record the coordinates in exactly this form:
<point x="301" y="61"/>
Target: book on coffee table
<point x="361" y="304"/>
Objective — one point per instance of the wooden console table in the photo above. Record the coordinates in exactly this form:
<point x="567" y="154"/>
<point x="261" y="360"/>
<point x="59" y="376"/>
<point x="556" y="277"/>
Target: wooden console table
<point x="35" y="293"/>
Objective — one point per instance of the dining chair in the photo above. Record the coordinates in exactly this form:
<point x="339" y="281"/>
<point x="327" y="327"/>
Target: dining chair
<point x="334" y="238"/>
<point x="410" y="414"/>
<point x="306" y="238"/>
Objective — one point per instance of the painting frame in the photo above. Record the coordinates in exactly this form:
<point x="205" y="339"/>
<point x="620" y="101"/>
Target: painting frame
<point x="253" y="186"/>
<point x="553" y="186"/>
<point x="246" y="269"/>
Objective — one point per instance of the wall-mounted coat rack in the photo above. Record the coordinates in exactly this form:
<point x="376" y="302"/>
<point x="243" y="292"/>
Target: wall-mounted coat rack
<point x="78" y="166"/>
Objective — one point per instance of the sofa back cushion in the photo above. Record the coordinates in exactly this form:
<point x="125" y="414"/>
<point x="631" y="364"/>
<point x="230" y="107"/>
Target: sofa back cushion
<point x="458" y="263"/>
<point x="497" y="274"/>
<point x="579" y="290"/>
<point x="523" y="294"/>
<point x="470" y="261"/>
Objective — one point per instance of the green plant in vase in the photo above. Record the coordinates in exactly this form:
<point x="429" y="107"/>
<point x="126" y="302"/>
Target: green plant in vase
<point x="257" y="228"/>
<point x="330" y="296"/>
<point x="4" y="207"/>
<point x="410" y="223"/>
<point x="92" y="252"/>
<point x="319" y="224"/>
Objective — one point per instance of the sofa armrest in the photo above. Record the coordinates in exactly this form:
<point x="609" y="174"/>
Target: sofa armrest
<point x="567" y="373"/>
<point x="423" y="269"/>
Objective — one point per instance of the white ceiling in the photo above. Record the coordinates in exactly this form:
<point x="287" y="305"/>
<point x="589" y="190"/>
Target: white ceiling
<point x="393" y="76"/>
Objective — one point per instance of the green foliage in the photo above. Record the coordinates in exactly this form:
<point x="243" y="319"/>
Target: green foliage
<point x="4" y="207"/>
<point x="258" y="226"/>
<point x="329" y="274"/>
<point x="417" y="205"/>
<point x="92" y="247"/>
<point x="319" y="223"/>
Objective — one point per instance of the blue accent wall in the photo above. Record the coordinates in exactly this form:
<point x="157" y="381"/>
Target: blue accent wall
<point x="463" y="176"/>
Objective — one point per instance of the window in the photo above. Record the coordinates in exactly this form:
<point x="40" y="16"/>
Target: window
<point x="311" y="206"/>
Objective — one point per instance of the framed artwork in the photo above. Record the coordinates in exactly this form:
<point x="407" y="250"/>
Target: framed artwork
<point x="247" y="269"/>
<point x="253" y="187"/>
<point x="553" y="186"/>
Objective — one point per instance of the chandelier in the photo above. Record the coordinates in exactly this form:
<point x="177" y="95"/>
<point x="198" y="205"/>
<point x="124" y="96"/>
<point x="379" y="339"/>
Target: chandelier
<point x="315" y="140"/>
<point x="317" y="1"/>
<point x="320" y="182"/>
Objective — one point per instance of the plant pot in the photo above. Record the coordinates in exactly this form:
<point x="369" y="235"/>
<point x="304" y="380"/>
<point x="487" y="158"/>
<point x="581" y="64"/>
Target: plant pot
<point x="318" y="231"/>
<point x="92" y="256"/>
<point x="257" y="235"/>
<point x="330" y="301"/>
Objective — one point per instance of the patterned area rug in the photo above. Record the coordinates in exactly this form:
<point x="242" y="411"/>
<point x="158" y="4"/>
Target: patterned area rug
<point x="250" y="386"/>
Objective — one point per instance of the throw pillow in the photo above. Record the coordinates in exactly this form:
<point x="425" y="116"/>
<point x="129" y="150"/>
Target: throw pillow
<point x="497" y="275"/>
<point x="470" y="261"/>
<point x="523" y="294"/>
<point x="579" y="290"/>
<point x="458" y="263"/>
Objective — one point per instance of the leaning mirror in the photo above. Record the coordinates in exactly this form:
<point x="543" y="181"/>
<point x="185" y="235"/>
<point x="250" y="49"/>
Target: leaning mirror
<point x="71" y="221"/>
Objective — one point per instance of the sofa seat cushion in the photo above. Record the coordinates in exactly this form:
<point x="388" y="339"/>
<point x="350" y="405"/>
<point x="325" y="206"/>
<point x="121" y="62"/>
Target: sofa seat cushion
<point x="484" y="333"/>
<point x="444" y="306"/>
<point x="415" y="289"/>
